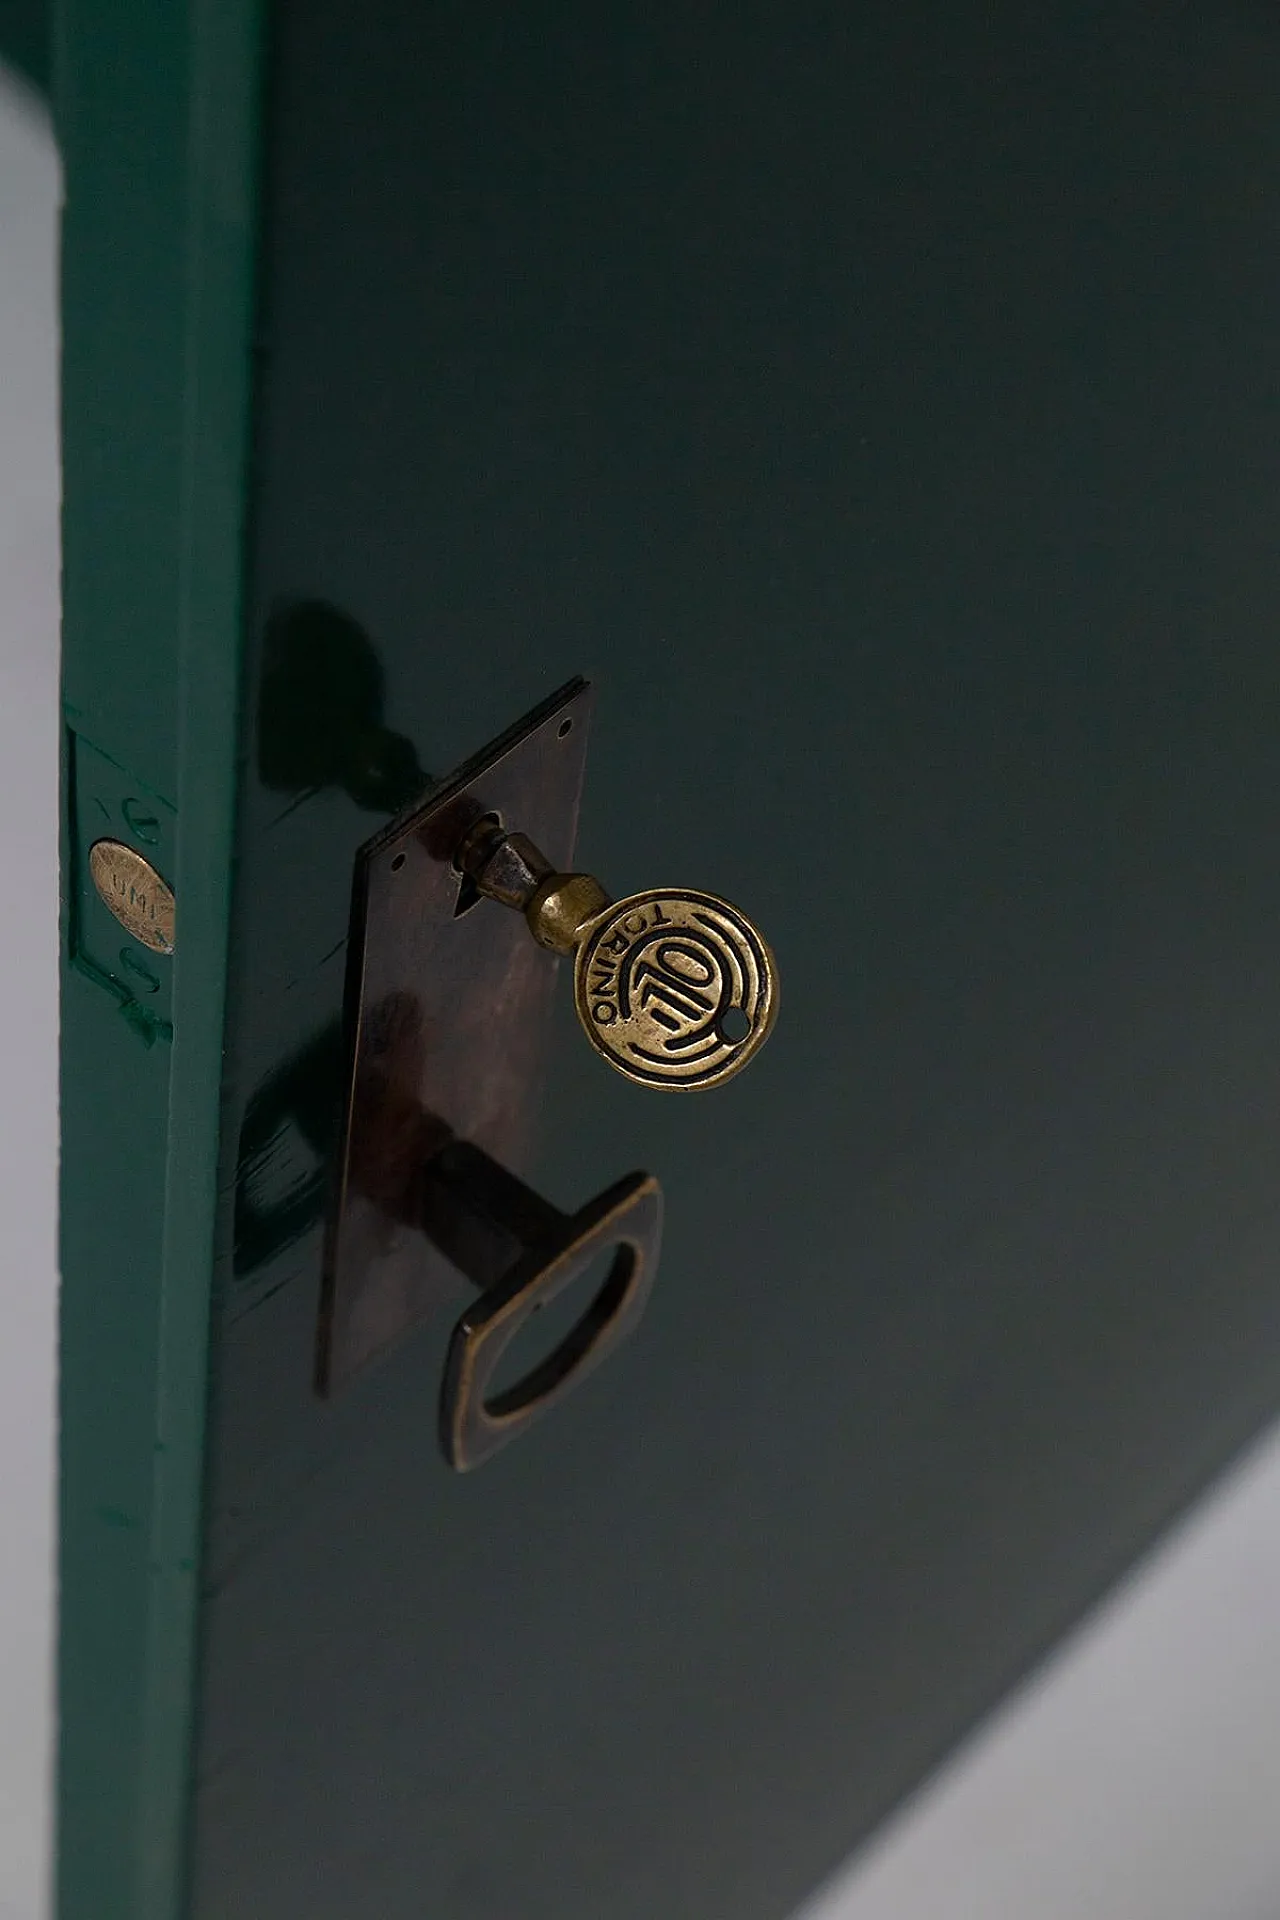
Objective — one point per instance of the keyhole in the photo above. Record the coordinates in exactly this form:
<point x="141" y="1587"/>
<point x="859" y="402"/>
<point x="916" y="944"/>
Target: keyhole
<point x="468" y="895"/>
<point x="468" y="892"/>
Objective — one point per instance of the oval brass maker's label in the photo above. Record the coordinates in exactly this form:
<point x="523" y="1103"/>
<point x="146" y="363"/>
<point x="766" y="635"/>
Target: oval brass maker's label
<point x="141" y="901"/>
<point x="675" y="988"/>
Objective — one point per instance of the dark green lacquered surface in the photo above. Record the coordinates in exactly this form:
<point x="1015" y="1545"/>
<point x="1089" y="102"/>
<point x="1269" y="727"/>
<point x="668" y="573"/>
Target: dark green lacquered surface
<point x="26" y="35"/>
<point x="879" y="404"/>
<point x="156" y="111"/>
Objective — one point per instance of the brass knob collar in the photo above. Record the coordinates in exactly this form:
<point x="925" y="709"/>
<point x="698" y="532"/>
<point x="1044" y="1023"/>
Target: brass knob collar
<point x="562" y="910"/>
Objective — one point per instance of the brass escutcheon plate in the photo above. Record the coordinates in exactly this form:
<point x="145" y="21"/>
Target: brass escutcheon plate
<point x="141" y="901"/>
<point x="448" y="1002"/>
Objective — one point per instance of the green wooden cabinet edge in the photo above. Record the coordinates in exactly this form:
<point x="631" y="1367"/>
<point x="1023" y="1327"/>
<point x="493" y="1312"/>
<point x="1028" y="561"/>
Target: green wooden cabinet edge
<point x="158" y="113"/>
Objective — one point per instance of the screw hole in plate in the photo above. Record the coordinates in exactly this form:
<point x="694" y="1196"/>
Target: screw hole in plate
<point x="566" y="726"/>
<point x="398" y="862"/>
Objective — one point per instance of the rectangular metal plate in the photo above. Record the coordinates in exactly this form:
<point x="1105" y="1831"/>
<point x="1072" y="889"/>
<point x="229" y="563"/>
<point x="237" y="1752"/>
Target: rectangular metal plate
<point x="447" y="1008"/>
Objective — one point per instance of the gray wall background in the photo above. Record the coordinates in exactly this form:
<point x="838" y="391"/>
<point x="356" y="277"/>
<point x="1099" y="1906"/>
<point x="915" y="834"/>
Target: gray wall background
<point x="28" y="986"/>
<point x="1137" y="1776"/>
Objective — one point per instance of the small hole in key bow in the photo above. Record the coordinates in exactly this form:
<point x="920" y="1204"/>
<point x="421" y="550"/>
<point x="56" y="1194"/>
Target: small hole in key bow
<point x="735" y="1027"/>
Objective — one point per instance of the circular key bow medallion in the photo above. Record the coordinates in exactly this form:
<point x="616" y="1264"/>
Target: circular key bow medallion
<point x="676" y="990"/>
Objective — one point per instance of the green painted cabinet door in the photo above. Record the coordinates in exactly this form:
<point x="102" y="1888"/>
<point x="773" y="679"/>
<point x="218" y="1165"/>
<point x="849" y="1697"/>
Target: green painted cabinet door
<point x="879" y="404"/>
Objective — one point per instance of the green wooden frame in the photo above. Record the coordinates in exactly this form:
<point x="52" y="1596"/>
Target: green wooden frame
<point x="157" y="112"/>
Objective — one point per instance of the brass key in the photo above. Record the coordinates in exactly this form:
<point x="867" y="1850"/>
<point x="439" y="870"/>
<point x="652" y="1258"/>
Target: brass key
<point x="677" y="989"/>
